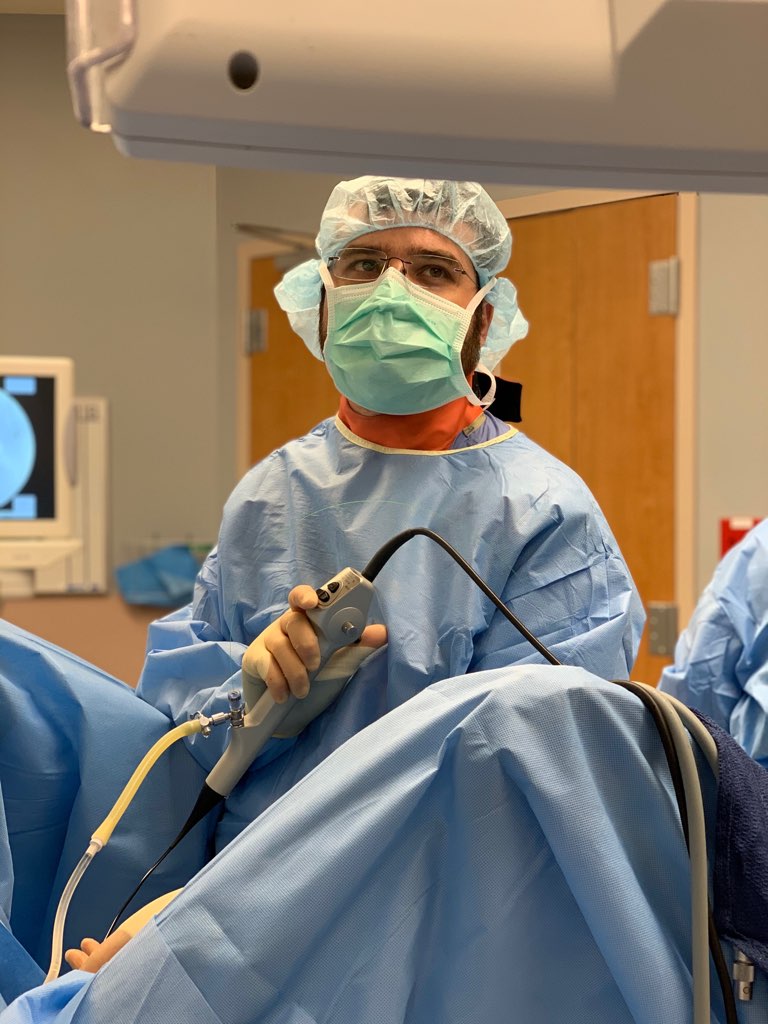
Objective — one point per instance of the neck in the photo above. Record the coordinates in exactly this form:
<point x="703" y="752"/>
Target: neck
<point x="434" y="431"/>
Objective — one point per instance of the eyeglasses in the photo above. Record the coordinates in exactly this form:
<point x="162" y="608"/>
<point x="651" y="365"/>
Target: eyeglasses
<point x="437" y="273"/>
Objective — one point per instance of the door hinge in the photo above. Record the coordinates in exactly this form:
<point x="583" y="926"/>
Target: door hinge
<point x="256" y="331"/>
<point x="664" y="287"/>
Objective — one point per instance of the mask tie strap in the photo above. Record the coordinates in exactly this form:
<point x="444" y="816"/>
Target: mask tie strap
<point x="485" y="400"/>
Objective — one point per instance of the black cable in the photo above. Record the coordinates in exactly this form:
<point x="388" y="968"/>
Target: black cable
<point x="715" y="948"/>
<point x="127" y="903"/>
<point x="726" y="985"/>
<point x="385" y="552"/>
<point x="207" y="799"/>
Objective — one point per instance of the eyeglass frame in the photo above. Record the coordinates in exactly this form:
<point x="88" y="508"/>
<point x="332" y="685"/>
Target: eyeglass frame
<point x="386" y="260"/>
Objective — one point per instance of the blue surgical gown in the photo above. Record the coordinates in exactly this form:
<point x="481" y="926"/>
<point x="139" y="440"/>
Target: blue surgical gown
<point x="504" y="847"/>
<point x="526" y="523"/>
<point x="721" y="659"/>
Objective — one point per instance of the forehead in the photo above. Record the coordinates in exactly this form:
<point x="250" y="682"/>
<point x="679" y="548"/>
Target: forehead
<point x="403" y="240"/>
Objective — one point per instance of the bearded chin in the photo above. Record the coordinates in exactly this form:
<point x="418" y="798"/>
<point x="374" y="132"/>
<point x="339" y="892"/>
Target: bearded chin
<point x="473" y="343"/>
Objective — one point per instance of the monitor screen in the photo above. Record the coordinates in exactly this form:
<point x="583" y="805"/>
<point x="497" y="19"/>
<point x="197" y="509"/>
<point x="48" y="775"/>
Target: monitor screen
<point x="35" y="408"/>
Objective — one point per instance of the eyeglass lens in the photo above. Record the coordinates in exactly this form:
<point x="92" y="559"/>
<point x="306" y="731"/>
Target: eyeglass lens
<point x="425" y="269"/>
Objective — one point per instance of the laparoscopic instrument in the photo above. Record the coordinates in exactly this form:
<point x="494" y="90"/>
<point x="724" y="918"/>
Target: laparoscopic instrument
<point x="339" y="620"/>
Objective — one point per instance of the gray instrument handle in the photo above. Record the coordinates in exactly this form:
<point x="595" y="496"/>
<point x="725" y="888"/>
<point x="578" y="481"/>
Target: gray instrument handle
<point x="339" y="620"/>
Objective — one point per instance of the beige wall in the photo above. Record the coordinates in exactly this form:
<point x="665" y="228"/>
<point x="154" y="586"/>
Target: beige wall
<point x="113" y="263"/>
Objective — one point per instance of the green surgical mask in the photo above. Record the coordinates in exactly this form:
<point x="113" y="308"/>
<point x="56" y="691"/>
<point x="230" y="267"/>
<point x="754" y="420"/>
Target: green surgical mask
<point x="393" y="347"/>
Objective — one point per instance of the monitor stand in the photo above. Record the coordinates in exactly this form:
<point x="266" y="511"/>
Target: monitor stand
<point x="29" y="567"/>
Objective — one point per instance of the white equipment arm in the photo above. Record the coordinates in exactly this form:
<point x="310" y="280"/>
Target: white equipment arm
<point x="648" y="94"/>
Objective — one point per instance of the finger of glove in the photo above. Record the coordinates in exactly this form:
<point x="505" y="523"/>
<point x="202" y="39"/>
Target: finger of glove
<point x="374" y="636"/>
<point x="286" y="670"/>
<point x="109" y="947"/>
<point x="303" y="639"/>
<point x="75" y="958"/>
<point x="260" y="666"/>
<point x="302" y="598"/>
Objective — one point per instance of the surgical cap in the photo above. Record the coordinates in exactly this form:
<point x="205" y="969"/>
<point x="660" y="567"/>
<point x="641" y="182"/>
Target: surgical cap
<point x="460" y="210"/>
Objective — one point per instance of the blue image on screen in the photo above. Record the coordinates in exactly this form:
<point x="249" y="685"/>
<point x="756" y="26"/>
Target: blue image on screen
<point x="27" y="483"/>
<point x="21" y="385"/>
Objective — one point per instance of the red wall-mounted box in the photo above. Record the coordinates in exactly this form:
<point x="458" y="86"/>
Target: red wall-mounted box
<point x="733" y="529"/>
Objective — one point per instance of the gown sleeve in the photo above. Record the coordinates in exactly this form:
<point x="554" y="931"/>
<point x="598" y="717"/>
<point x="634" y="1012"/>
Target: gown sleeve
<point x="721" y="658"/>
<point x="192" y="663"/>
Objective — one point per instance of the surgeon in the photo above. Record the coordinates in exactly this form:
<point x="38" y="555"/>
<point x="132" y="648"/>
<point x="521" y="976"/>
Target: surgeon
<point x="721" y="659"/>
<point x="405" y="306"/>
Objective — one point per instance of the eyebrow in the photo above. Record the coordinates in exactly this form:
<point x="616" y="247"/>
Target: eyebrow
<point x="420" y="251"/>
<point x="410" y="250"/>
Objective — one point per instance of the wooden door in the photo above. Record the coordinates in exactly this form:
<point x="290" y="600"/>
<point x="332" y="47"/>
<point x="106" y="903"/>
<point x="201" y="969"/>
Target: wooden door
<point x="291" y="391"/>
<point x="598" y="372"/>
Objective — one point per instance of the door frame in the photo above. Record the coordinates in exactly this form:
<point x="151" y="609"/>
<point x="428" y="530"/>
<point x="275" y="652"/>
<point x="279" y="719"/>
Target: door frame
<point x="252" y="249"/>
<point x="686" y="327"/>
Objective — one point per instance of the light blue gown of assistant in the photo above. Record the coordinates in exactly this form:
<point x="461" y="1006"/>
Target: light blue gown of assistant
<point x="71" y="736"/>
<point x="721" y="659"/>
<point x="504" y="847"/>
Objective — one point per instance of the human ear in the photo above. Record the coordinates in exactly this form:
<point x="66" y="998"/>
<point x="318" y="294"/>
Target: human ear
<point x="487" y="317"/>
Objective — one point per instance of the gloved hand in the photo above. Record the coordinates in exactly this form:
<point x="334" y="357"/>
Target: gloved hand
<point x="286" y="652"/>
<point x="92" y="954"/>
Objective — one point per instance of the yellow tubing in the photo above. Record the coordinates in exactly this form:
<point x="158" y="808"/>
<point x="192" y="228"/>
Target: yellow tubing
<point x="106" y="828"/>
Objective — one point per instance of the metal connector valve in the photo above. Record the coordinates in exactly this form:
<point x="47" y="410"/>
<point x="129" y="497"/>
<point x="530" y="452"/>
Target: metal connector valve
<point x="209" y="723"/>
<point x="743" y="973"/>
<point x="236" y="709"/>
<point x="234" y="716"/>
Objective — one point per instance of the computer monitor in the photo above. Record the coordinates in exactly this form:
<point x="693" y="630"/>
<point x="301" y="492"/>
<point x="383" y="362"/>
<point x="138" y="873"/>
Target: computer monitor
<point x="37" y="449"/>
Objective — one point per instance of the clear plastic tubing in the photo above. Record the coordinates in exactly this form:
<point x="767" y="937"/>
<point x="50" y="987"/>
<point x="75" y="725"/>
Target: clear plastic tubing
<point x="101" y="836"/>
